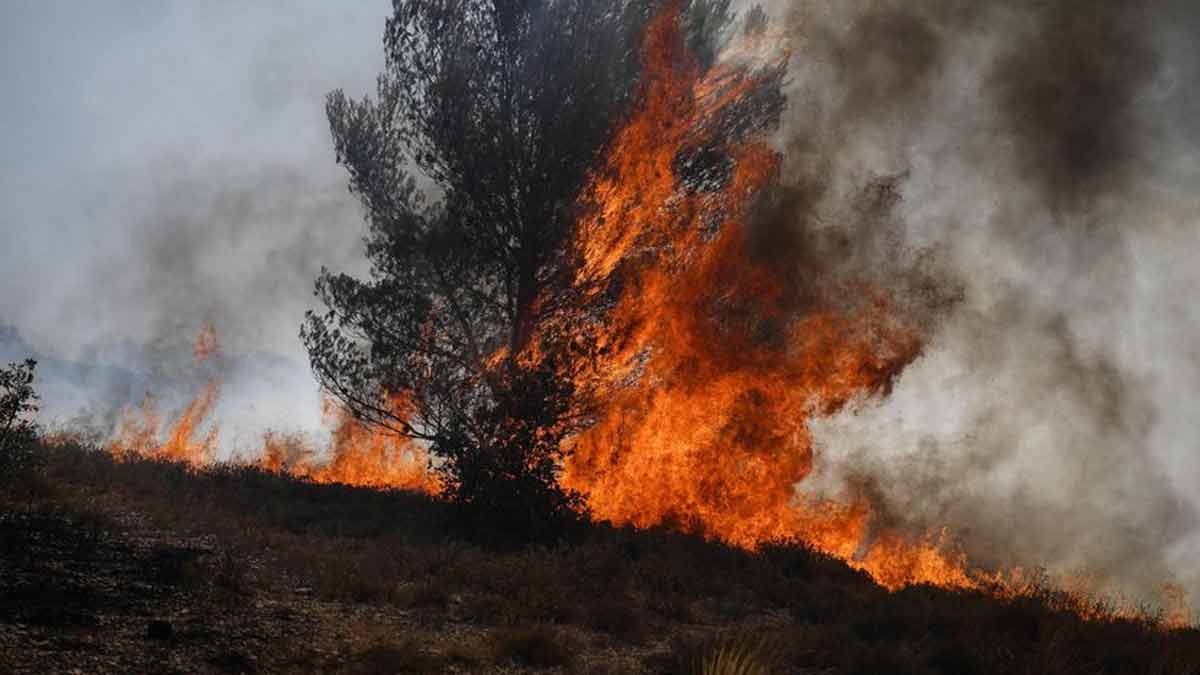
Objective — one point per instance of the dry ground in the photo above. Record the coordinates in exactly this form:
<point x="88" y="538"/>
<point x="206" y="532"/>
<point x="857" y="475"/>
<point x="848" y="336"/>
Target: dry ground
<point x="146" y="567"/>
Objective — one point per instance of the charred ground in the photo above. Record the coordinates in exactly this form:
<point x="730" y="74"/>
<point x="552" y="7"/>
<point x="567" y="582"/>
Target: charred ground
<point x="150" y="566"/>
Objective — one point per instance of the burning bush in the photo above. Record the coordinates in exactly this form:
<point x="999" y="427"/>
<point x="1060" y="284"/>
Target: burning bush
<point x="473" y="311"/>
<point x="510" y="483"/>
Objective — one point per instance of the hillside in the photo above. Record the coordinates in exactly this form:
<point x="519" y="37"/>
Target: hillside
<point x="145" y="566"/>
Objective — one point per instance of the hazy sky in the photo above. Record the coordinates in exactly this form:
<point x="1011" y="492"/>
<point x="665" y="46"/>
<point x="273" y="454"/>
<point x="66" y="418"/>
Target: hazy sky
<point x="164" y="160"/>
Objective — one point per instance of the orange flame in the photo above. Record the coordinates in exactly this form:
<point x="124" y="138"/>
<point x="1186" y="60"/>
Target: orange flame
<point x="206" y="343"/>
<point x="139" y="432"/>
<point x="1179" y="613"/>
<point x="715" y="370"/>
<point x="357" y="455"/>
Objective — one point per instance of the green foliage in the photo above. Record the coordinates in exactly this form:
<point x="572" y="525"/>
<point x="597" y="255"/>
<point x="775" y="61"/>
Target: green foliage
<point x="18" y="402"/>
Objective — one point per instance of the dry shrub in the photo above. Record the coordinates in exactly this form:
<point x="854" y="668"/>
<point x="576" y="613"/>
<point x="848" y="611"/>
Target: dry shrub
<point x="468" y="652"/>
<point x="536" y="646"/>
<point x="232" y="575"/>
<point x="738" y="657"/>
<point x="407" y="656"/>
<point x="737" y="653"/>
<point x="618" y="617"/>
<point x="174" y="567"/>
<point x="427" y="593"/>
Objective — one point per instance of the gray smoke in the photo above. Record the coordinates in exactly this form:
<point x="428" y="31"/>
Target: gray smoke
<point x="166" y="165"/>
<point x="1042" y="159"/>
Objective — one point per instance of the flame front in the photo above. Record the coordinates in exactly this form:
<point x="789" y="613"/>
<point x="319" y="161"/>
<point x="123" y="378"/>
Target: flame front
<point x="357" y="454"/>
<point x="140" y="431"/>
<point x="714" y="368"/>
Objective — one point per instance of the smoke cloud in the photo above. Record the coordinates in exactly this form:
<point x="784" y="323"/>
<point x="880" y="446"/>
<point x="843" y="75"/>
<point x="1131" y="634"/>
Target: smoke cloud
<point x="1027" y="170"/>
<point x="167" y="165"/>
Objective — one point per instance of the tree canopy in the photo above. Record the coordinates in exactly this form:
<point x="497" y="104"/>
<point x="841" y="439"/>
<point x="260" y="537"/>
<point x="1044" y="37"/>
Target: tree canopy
<point x="18" y="403"/>
<point x="469" y="161"/>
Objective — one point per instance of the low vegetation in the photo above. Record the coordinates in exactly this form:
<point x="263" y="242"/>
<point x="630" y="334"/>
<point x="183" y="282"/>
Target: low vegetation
<point x="125" y="566"/>
<point x="18" y="403"/>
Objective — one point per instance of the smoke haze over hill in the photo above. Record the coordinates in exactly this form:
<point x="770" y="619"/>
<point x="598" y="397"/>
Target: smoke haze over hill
<point x="168" y="164"/>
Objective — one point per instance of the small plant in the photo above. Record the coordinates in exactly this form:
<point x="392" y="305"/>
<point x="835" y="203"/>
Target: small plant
<point x="734" y="657"/>
<point x="18" y="402"/>
<point x="731" y="654"/>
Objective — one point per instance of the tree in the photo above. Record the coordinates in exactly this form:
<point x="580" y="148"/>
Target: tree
<point x="469" y="161"/>
<point x="18" y="401"/>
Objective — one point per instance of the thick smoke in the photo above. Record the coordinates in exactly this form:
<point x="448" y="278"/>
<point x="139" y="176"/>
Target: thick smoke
<point x="1067" y="88"/>
<point x="1026" y="168"/>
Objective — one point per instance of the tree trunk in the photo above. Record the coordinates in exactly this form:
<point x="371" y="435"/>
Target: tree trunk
<point x="527" y="294"/>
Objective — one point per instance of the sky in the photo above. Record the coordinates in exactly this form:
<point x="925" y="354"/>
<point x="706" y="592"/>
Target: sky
<point x="169" y="163"/>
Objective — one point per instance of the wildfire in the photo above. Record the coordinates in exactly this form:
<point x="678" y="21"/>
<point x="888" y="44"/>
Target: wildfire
<point x="715" y="369"/>
<point x="713" y="365"/>
<point x="140" y="431"/>
<point x="357" y="454"/>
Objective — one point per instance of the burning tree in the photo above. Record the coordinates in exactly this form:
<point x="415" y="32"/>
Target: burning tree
<point x="488" y="121"/>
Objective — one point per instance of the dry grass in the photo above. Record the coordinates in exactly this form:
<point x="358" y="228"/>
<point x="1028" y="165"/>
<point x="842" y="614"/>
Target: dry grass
<point x="536" y="646"/>
<point x="614" y="601"/>
<point x="734" y="658"/>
